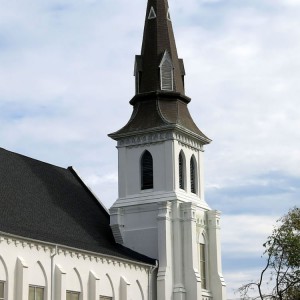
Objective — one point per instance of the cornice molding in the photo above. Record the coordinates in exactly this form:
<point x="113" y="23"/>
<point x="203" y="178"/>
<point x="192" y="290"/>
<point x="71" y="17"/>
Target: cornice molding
<point x="142" y="139"/>
<point x="20" y="242"/>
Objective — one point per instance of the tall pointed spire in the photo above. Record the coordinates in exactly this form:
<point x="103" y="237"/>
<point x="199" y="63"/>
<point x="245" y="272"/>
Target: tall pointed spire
<point x="158" y="67"/>
<point x="160" y="102"/>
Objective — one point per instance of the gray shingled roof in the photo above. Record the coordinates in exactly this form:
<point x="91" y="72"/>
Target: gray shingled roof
<point x="160" y="110"/>
<point x="48" y="203"/>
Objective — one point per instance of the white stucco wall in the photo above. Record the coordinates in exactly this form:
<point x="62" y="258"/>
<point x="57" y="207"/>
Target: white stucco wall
<point x="165" y="222"/>
<point x="24" y="262"/>
<point x="130" y="171"/>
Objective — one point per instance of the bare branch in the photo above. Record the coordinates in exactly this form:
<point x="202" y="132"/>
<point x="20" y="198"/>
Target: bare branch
<point x="283" y="262"/>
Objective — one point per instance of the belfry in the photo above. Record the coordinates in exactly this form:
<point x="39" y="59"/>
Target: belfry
<point x="161" y="211"/>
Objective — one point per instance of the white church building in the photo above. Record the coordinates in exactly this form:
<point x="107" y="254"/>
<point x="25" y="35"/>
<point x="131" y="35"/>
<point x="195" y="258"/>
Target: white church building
<point x="160" y="239"/>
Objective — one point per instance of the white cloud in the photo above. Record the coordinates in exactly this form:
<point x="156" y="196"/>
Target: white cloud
<point x="242" y="243"/>
<point x="246" y="72"/>
<point x="235" y="280"/>
<point x="293" y="3"/>
<point x="108" y="178"/>
<point x="244" y="234"/>
<point x="74" y="61"/>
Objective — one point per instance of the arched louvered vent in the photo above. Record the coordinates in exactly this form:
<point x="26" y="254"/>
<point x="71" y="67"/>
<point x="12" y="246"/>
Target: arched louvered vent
<point x="181" y="170"/>
<point x="166" y="73"/>
<point x="193" y="175"/>
<point x="147" y="171"/>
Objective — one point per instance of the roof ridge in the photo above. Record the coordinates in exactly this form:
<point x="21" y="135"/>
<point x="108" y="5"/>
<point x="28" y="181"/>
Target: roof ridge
<point x="31" y="158"/>
<point x="87" y="188"/>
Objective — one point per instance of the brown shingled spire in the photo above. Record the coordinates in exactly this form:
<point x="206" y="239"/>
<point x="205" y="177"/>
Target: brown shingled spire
<point x="158" y="67"/>
<point x="159" y="103"/>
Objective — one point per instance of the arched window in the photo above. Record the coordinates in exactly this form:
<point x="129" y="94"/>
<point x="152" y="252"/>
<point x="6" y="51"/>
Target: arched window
<point x="107" y="288"/>
<point x="141" y="290"/>
<point x="181" y="170"/>
<point x="202" y="265"/>
<point x="3" y="279"/>
<point x="202" y="261"/>
<point x="166" y="73"/>
<point x="1" y="290"/>
<point x="147" y="171"/>
<point x="37" y="282"/>
<point x="36" y="292"/>
<point x="74" y="285"/>
<point x="193" y="174"/>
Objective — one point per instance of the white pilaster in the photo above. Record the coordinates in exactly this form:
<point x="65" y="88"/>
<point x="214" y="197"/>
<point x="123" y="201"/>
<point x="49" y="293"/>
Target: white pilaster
<point x="60" y="283"/>
<point x="124" y="286"/>
<point x="93" y="286"/>
<point x="164" y="275"/>
<point x="192" y="278"/>
<point x="21" y="280"/>
<point x="217" y="283"/>
<point x="178" y="290"/>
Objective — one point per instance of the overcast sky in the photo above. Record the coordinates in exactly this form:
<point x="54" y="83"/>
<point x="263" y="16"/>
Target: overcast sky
<point x="66" y="77"/>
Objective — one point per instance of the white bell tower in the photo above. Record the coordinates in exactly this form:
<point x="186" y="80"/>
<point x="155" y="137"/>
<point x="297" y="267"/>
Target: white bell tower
<point x="161" y="211"/>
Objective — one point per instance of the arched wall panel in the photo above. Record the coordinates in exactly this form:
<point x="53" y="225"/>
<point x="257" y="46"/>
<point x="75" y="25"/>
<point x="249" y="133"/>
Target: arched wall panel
<point x="73" y="281"/>
<point x="37" y="275"/>
<point x="3" y="270"/>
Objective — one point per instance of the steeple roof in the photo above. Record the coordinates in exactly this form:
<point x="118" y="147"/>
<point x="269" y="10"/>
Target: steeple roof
<point x="160" y="102"/>
<point x="158" y="40"/>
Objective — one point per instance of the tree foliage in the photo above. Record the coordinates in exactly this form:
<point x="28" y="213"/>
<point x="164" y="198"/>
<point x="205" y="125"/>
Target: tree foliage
<point x="280" y="278"/>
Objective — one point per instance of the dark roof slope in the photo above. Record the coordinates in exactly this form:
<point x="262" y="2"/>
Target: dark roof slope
<point x="48" y="203"/>
<point x="168" y="108"/>
<point x="158" y="37"/>
<point x="159" y="111"/>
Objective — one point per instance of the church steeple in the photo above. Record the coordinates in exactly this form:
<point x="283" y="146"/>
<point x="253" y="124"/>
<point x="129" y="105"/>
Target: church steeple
<point x="158" y="67"/>
<point x="161" y="211"/>
<point x="160" y="102"/>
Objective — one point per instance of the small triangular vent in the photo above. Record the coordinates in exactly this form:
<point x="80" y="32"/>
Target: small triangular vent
<point x="168" y="15"/>
<point x="152" y="14"/>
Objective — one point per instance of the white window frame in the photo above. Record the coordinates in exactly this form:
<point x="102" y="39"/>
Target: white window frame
<point x="182" y="171"/>
<point x="102" y="297"/>
<point x="35" y="287"/>
<point x="3" y="282"/>
<point x="202" y="249"/>
<point x="202" y="241"/>
<point x="194" y="175"/>
<point x="73" y="293"/>
<point x="144" y="184"/>
<point x="166" y="59"/>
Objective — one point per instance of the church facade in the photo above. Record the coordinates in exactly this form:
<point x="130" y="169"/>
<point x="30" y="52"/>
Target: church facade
<point x="160" y="239"/>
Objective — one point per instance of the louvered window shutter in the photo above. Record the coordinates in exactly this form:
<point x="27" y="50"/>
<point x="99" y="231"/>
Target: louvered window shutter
<point x="166" y="71"/>
<point x="192" y="176"/>
<point x="147" y="171"/>
<point x="202" y="265"/>
<point x="181" y="175"/>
